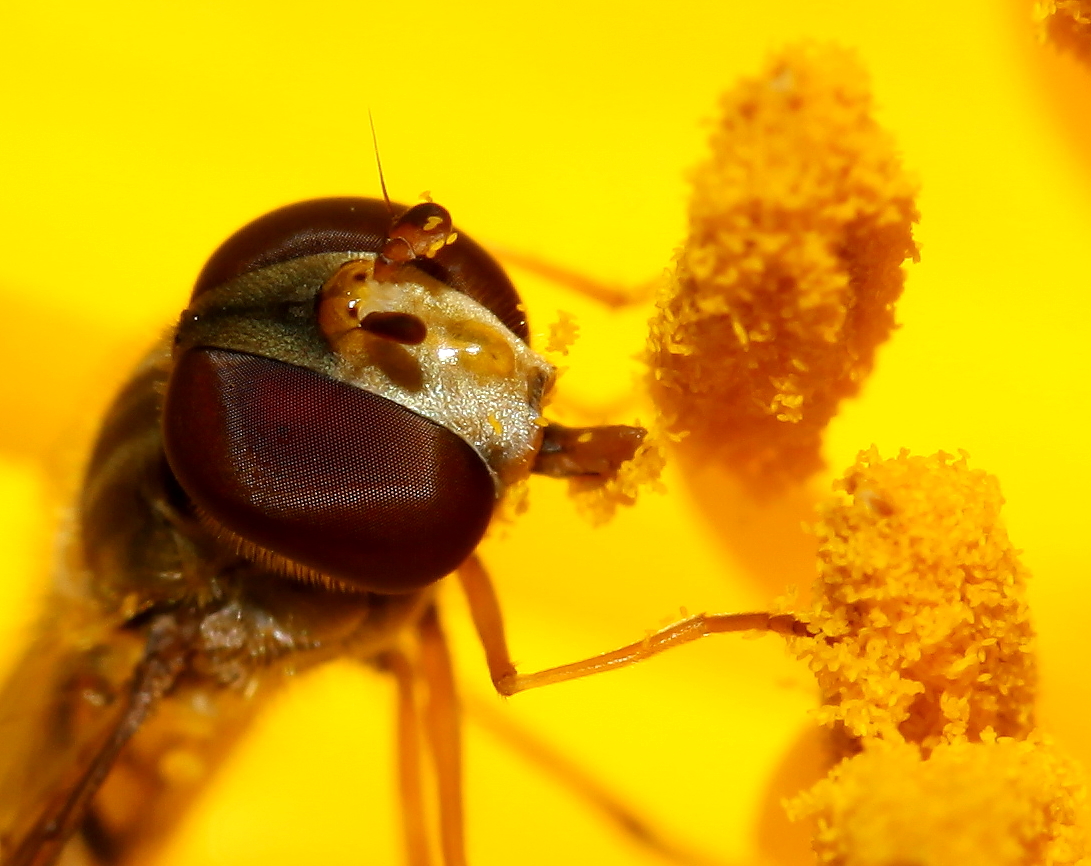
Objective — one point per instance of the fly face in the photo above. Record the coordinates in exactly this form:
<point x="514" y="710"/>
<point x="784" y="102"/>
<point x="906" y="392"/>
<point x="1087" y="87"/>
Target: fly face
<point x="344" y="400"/>
<point x="330" y="411"/>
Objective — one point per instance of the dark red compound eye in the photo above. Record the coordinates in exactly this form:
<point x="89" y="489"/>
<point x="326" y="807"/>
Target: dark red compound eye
<point x="332" y="225"/>
<point x="333" y="478"/>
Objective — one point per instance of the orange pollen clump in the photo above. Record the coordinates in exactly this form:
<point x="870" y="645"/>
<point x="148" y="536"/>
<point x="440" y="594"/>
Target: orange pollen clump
<point x="923" y="650"/>
<point x="1067" y="24"/>
<point x="923" y="628"/>
<point x="1000" y="802"/>
<point x="799" y="224"/>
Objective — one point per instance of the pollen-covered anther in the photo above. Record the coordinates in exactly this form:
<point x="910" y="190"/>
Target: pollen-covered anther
<point x="1067" y="24"/>
<point x="999" y="802"/>
<point x="924" y="632"/>
<point x="798" y="227"/>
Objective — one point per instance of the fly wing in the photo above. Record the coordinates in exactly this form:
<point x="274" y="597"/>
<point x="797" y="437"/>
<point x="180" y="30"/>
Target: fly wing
<point x="64" y="714"/>
<point x="72" y="693"/>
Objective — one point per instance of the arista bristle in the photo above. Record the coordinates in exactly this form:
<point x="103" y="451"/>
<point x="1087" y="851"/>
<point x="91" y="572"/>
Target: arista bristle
<point x="269" y="559"/>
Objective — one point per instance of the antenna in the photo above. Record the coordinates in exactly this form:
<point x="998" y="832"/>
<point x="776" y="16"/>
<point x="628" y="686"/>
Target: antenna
<point x="379" y="163"/>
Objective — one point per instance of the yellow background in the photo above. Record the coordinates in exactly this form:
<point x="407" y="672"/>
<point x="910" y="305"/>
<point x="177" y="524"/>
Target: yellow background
<point x="136" y="136"/>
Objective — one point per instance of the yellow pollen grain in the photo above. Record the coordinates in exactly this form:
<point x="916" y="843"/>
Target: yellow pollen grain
<point x="597" y="499"/>
<point x="562" y="333"/>
<point x="182" y="767"/>
<point x="432" y="222"/>
<point x="94" y="697"/>
<point x="130" y="605"/>
<point x="497" y="427"/>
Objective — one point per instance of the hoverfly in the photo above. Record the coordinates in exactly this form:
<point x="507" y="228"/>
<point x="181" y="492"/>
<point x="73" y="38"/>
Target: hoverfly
<point x="324" y="435"/>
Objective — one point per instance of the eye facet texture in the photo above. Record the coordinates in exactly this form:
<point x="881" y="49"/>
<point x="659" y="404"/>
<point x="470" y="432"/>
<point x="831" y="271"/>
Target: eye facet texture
<point x="328" y="476"/>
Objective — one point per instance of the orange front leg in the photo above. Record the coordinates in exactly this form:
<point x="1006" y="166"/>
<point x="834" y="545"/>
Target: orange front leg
<point x="485" y="610"/>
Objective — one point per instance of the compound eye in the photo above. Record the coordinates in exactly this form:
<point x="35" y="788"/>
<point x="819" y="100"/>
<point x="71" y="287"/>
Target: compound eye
<point x="361" y="225"/>
<point x="303" y="229"/>
<point x="336" y="480"/>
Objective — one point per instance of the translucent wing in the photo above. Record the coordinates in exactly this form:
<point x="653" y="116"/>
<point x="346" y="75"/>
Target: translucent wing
<point x="76" y="697"/>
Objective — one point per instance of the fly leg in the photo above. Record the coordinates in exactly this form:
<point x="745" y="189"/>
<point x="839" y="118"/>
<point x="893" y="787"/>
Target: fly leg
<point x="414" y="823"/>
<point x="442" y="724"/>
<point x="682" y="632"/>
<point x="611" y="295"/>
<point x="442" y="730"/>
<point x="485" y="611"/>
<point x="488" y="621"/>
